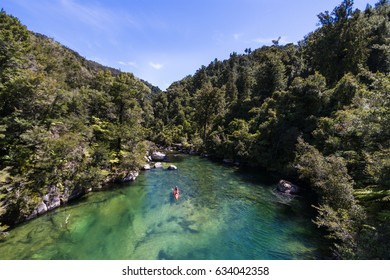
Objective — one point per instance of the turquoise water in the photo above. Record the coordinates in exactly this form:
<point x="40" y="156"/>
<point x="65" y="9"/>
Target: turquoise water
<point x="223" y="213"/>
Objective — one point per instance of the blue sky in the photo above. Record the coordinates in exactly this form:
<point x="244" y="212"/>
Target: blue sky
<point x="162" y="41"/>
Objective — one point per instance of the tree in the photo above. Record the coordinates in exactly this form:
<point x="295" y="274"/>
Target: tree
<point x="338" y="211"/>
<point x="209" y="103"/>
<point x="341" y="44"/>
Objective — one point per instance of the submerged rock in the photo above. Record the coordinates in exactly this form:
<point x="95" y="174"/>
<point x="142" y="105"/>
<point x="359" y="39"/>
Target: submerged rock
<point x="172" y="167"/>
<point x="158" y="165"/>
<point x="287" y="187"/>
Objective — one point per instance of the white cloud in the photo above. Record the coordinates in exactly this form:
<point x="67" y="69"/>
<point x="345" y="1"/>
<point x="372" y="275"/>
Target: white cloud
<point x="96" y="16"/>
<point x="237" y="36"/>
<point x="130" y="63"/>
<point x="156" y="66"/>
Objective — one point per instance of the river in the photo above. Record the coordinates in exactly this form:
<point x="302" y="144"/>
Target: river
<point x="223" y="213"/>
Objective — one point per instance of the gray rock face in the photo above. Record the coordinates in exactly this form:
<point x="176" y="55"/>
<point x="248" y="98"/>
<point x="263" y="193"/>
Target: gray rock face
<point x="42" y="208"/>
<point x="287" y="187"/>
<point x="54" y="202"/>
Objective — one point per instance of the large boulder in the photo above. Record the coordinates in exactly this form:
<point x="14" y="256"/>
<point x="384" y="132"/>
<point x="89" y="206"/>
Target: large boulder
<point x="287" y="187"/>
<point x="158" y="156"/>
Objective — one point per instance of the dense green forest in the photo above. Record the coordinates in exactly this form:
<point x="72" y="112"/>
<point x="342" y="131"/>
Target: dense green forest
<point x="67" y="124"/>
<point x="317" y="112"/>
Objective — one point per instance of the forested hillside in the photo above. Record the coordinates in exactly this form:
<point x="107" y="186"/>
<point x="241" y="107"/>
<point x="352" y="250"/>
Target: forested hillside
<point x="317" y="112"/>
<point x="67" y="124"/>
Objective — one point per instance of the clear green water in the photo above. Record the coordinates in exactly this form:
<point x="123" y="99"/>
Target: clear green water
<point x="223" y="213"/>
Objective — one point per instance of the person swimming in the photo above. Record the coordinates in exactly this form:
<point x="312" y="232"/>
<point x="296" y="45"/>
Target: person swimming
<point x="176" y="192"/>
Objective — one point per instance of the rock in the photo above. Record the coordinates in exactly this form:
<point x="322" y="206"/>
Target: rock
<point x="32" y="215"/>
<point x="146" y="167"/>
<point x="158" y="156"/>
<point x="172" y="167"/>
<point x="54" y="203"/>
<point x="42" y="208"/>
<point x="287" y="187"/>
<point x="131" y="176"/>
<point x="147" y="158"/>
<point x="46" y="198"/>
<point x="158" y="165"/>
<point x="227" y="161"/>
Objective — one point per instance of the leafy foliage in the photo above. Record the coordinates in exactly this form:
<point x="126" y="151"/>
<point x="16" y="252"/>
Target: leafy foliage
<point x="66" y="124"/>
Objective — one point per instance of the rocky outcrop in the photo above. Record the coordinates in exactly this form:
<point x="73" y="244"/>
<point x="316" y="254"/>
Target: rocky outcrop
<point x="287" y="187"/>
<point x="62" y="194"/>
<point x="158" y="156"/>
<point x="50" y="201"/>
<point x="172" y="167"/>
